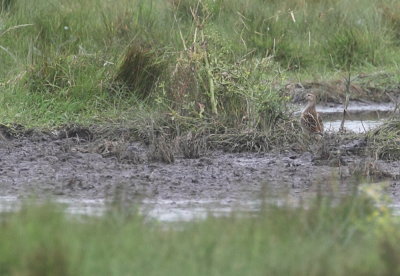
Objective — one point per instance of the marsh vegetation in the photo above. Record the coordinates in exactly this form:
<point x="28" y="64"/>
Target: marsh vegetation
<point x="101" y="97"/>
<point x="98" y="61"/>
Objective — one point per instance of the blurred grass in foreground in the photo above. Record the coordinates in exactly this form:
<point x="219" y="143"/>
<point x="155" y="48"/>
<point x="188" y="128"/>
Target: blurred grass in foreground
<point x="350" y="237"/>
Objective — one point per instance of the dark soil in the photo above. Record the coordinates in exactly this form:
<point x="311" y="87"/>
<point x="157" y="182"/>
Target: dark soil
<point x="78" y="163"/>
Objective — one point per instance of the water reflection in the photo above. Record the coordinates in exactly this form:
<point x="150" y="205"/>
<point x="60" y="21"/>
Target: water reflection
<point x="168" y="210"/>
<point x="357" y="126"/>
<point x="361" y="117"/>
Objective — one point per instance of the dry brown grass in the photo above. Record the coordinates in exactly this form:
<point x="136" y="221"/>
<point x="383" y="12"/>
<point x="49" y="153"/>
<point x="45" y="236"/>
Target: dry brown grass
<point x="384" y="142"/>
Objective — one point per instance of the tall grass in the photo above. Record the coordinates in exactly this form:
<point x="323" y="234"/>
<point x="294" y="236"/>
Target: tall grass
<point x="348" y="238"/>
<point x="87" y="52"/>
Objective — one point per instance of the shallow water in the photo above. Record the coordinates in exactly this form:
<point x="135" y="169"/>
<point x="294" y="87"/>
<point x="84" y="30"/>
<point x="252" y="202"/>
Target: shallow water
<point x="90" y="207"/>
<point x="357" y="126"/>
<point x="160" y="210"/>
<point x="169" y="211"/>
<point x="187" y="210"/>
<point x="361" y="117"/>
<point x="356" y="108"/>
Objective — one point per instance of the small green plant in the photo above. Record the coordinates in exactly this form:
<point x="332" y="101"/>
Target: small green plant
<point x="57" y="75"/>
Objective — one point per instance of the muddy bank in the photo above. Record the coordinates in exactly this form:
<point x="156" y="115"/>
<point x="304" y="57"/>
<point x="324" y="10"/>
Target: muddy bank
<point x="367" y="88"/>
<point x="80" y="165"/>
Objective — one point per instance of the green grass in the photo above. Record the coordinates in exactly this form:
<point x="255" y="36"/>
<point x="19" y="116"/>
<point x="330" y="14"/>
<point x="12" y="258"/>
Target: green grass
<point x="348" y="238"/>
<point x="95" y="61"/>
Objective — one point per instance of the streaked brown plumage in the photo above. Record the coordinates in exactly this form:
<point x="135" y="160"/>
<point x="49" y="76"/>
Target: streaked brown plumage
<point x="310" y="121"/>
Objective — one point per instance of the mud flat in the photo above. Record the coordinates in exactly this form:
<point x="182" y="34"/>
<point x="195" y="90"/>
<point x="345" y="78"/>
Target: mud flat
<point x="81" y="172"/>
<point x="88" y="172"/>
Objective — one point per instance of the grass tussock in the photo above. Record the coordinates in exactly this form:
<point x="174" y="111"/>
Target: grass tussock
<point x="385" y="140"/>
<point x="347" y="237"/>
<point x="162" y="149"/>
<point x="140" y="70"/>
<point x="193" y="145"/>
<point x="248" y="139"/>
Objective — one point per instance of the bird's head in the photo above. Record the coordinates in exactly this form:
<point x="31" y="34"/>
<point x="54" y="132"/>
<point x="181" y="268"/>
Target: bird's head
<point x="311" y="98"/>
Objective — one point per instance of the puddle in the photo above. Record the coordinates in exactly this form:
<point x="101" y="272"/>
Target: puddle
<point x="90" y="207"/>
<point x="187" y="210"/>
<point x="8" y="204"/>
<point x="357" y="126"/>
<point x="396" y="208"/>
<point x="362" y="117"/>
<point x="160" y="210"/>
<point x="356" y="108"/>
<point x="169" y="211"/>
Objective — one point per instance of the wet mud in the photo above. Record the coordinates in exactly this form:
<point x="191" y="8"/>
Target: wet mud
<point x="80" y="165"/>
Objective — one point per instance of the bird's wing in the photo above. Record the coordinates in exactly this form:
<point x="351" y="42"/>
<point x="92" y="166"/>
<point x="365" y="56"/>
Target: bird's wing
<point x="312" y="122"/>
<point x="320" y="123"/>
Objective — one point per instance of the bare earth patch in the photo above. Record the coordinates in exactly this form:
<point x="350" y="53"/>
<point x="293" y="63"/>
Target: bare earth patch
<point x="77" y="164"/>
